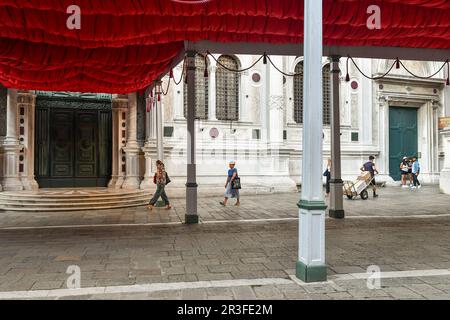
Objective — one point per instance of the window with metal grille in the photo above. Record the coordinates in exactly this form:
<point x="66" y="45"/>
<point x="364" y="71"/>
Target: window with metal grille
<point x="227" y="89"/>
<point x="298" y="94"/>
<point x="326" y="94"/>
<point x="201" y="90"/>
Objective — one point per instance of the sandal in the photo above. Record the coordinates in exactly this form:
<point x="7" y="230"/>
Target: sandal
<point x="150" y="207"/>
<point x="223" y="204"/>
<point x="169" y="207"/>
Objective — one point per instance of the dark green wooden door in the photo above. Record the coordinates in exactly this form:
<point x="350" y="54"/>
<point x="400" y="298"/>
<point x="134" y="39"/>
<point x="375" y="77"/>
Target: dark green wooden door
<point x="73" y="143"/>
<point x="402" y="137"/>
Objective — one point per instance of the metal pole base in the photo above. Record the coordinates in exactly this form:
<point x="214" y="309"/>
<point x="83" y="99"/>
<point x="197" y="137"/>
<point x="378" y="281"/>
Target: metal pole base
<point x="336" y="214"/>
<point x="191" y="219"/>
<point x="311" y="273"/>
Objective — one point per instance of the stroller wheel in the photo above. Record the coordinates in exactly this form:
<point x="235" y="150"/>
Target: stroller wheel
<point x="364" y="195"/>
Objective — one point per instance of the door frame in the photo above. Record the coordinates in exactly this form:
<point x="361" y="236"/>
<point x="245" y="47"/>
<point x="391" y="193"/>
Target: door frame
<point x="75" y="103"/>
<point x="427" y="144"/>
<point x="417" y="135"/>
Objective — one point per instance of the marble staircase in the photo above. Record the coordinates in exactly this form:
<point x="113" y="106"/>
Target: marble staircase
<point x="57" y="200"/>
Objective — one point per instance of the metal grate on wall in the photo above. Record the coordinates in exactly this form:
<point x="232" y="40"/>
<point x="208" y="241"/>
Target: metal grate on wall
<point x="298" y="94"/>
<point x="227" y="90"/>
<point x="201" y="90"/>
<point x="326" y="94"/>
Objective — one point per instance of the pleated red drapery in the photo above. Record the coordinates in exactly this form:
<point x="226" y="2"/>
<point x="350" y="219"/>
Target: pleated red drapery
<point x="123" y="45"/>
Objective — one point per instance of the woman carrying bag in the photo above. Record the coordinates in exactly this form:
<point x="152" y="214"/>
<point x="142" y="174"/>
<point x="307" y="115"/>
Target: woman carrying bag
<point x="161" y="179"/>
<point x="232" y="185"/>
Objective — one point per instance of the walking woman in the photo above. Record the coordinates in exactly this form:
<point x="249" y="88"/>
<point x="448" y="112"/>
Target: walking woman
<point x="230" y="192"/>
<point x="161" y="179"/>
<point x="327" y="174"/>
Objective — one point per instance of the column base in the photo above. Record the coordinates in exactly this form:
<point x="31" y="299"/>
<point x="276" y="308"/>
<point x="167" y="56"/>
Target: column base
<point x="191" y="219"/>
<point x="336" y="214"/>
<point x="311" y="273"/>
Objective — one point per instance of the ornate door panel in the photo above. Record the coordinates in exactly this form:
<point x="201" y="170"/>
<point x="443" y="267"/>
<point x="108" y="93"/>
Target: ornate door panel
<point x="73" y="139"/>
<point x="61" y="143"/>
<point x="402" y="137"/>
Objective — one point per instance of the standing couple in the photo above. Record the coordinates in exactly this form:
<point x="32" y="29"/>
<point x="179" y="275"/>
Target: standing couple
<point x="410" y="169"/>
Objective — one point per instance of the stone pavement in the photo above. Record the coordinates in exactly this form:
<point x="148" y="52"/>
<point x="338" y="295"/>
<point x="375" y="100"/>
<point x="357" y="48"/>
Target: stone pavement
<point x="180" y="259"/>
<point x="393" y="202"/>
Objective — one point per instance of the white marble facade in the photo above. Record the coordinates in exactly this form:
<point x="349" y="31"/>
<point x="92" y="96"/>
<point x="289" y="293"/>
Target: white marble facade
<point x="265" y="142"/>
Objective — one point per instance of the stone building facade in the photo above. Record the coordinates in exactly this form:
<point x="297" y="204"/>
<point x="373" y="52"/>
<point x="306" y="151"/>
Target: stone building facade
<point x="253" y="117"/>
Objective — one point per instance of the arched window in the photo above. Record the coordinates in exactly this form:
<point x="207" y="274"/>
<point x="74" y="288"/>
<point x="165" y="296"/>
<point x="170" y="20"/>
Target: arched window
<point x="201" y="90"/>
<point x="298" y="94"/>
<point x="326" y="94"/>
<point x="227" y="89"/>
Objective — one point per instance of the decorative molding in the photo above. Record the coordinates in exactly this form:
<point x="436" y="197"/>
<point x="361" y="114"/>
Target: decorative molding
<point x="276" y="102"/>
<point x="80" y="95"/>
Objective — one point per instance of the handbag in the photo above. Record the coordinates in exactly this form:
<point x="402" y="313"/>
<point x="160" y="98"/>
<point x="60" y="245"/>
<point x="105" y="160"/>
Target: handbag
<point x="236" y="184"/>
<point x="154" y="179"/>
<point x="167" y="179"/>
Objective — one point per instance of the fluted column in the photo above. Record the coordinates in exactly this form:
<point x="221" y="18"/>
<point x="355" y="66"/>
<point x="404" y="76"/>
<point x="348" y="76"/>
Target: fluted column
<point x="10" y="146"/>
<point x="132" y="148"/>
<point x="26" y="103"/>
<point x="149" y="149"/>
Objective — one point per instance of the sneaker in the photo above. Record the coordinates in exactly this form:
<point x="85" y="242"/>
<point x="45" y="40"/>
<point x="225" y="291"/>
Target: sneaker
<point x="404" y="186"/>
<point x="419" y="187"/>
<point x="413" y="187"/>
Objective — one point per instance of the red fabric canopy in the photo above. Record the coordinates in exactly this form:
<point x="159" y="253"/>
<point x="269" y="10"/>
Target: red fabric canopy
<point x="124" y="45"/>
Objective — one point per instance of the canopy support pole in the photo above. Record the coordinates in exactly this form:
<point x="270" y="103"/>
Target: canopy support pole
<point x="191" y="185"/>
<point x="159" y="122"/>
<point x="311" y="265"/>
<point x="336" y="194"/>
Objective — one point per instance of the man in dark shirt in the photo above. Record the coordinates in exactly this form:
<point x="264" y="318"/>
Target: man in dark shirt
<point x="369" y="166"/>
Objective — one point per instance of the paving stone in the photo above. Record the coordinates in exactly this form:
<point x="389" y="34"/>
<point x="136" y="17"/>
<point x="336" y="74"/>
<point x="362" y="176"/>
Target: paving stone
<point x="243" y="293"/>
<point x="194" y="294"/>
<point x="402" y="293"/>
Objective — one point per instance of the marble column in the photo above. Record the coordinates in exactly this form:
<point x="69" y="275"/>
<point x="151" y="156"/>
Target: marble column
<point x="27" y="102"/>
<point x="132" y="148"/>
<point x="149" y="150"/>
<point x="119" y="107"/>
<point x="191" y="185"/>
<point x="311" y="264"/>
<point x="10" y="146"/>
<point x="336" y="209"/>
<point x="159" y="121"/>
<point x="178" y="94"/>
<point x="212" y="93"/>
<point x="276" y="102"/>
<point x="444" y="180"/>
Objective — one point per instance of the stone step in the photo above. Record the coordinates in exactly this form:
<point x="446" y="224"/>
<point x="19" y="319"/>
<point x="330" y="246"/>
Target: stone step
<point x="73" y="206"/>
<point x="59" y="196"/>
<point x="43" y="199"/>
<point x="72" y="200"/>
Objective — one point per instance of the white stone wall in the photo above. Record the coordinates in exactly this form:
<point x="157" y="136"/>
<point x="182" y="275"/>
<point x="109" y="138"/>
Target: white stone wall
<point x="268" y="106"/>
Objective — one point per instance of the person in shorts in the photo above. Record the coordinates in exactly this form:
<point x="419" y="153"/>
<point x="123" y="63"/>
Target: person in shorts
<point x="369" y="166"/>
<point x="404" y="170"/>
